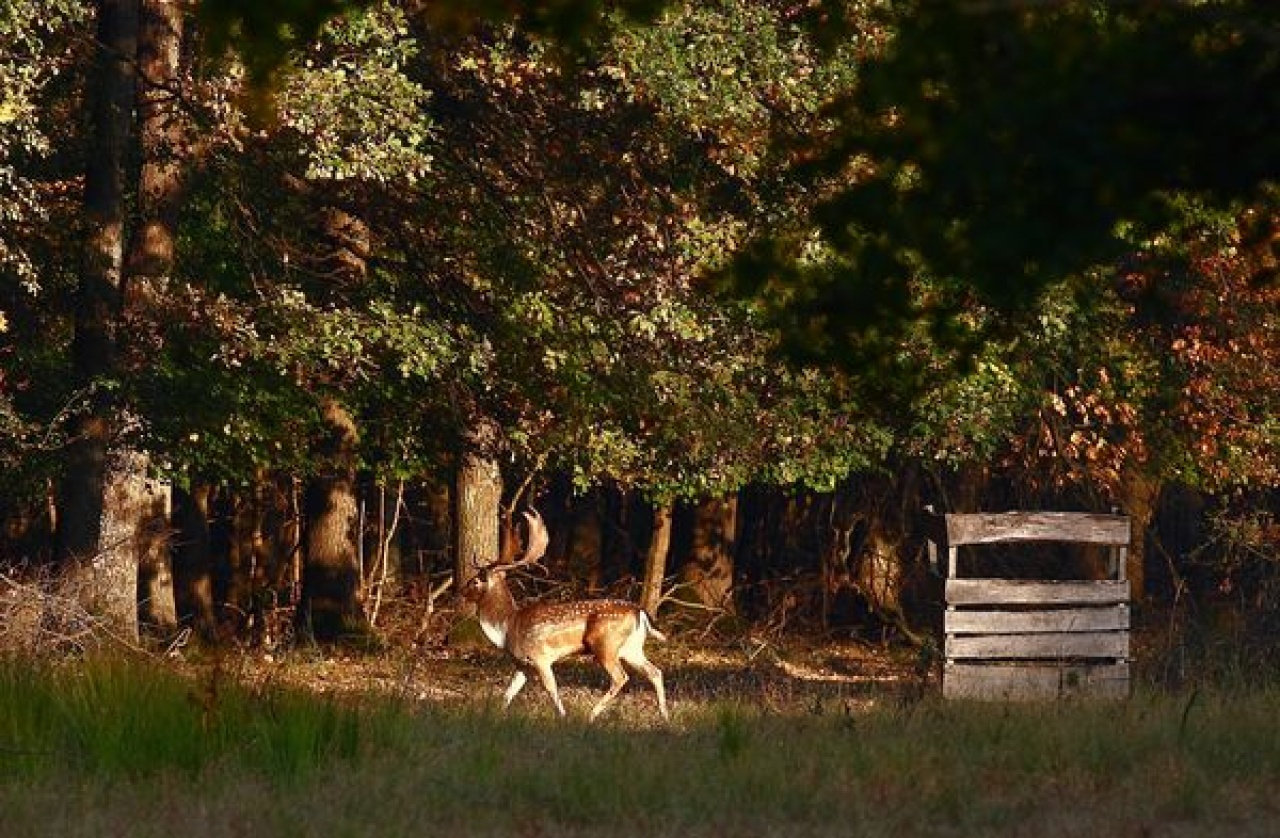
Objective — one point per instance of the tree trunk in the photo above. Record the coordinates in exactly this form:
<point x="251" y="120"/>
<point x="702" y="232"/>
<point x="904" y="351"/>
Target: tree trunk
<point x="108" y="585"/>
<point x="586" y="542"/>
<point x="837" y="556"/>
<point x="146" y="513"/>
<point x="84" y="488"/>
<point x="477" y="498"/>
<point x="655" y="559"/>
<point x="1138" y="496"/>
<point x="149" y="259"/>
<point x="880" y="578"/>
<point x="192" y="561"/>
<point x="330" y="607"/>
<point x="161" y="138"/>
<point x="233" y="530"/>
<point x="709" y="572"/>
<point x="432" y="538"/>
<point x="882" y="572"/>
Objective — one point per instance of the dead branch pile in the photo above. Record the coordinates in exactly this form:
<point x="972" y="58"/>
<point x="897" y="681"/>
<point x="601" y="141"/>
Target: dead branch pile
<point x="41" y="615"/>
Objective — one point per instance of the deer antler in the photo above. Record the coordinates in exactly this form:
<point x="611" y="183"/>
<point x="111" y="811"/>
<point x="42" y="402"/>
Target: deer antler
<point x="536" y="546"/>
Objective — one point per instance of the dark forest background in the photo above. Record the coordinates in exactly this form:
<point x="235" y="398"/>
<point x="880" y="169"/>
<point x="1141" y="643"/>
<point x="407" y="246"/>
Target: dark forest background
<point x="300" y="305"/>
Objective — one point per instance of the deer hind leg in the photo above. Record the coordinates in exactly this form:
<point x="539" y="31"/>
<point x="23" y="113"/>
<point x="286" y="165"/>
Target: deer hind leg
<point x="602" y="640"/>
<point x="654" y="674"/>
<point x="632" y="653"/>
<point x="617" y="679"/>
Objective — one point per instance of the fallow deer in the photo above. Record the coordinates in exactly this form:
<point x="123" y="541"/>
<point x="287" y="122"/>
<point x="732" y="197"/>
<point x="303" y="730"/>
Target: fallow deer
<point x="536" y="635"/>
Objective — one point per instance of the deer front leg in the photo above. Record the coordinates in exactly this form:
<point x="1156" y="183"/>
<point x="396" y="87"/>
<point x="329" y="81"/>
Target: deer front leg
<point x="549" y="681"/>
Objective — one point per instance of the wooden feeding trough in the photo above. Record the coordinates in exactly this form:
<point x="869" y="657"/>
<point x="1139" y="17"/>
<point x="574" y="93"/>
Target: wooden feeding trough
<point x="1033" y="639"/>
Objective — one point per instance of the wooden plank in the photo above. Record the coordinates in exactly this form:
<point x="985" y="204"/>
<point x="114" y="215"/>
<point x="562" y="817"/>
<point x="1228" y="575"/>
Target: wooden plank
<point x="1022" y="592"/>
<point x="991" y="527"/>
<point x="935" y="528"/>
<point x="987" y="682"/>
<point x="1120" y="563"/>
<point x="1109" y="618"/>
<point x="1047" y="646"/>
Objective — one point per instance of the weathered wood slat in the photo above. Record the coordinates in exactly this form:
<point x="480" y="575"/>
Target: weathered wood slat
<point x="1021" y="592"/>
<point x="956" y="529"/>
<point x="1034" y="681"/>
<point x="1108" y="618"/>
<point x="1048" y="646"/>
<point x="1041" y="639"/>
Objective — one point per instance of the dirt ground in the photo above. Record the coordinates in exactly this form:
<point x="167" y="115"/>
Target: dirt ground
<point x="453" y="664"/>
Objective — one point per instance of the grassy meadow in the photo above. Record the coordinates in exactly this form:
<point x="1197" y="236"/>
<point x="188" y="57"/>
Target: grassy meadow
<point x="118" y="748"/>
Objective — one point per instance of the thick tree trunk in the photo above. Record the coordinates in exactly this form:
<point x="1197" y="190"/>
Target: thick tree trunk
<point x="192" y="561"/>
<point x="881" y="579"/>
<point x="708" y="573"/>
<point x="477" y="497"/>
<point x="148" y="263"/>
<point x="108" y="585"/>
<point x="655" y="559"/>
<point x="276" y="538"/>
<point x="161" y="138"/>
<point x="144" y="509"/>
<point x="157" y="610"/>
<point x="882" y="572"/>
<point x="330" y="607"/>
<point x="90" y="571"/>
<point x="1138" y="496"/>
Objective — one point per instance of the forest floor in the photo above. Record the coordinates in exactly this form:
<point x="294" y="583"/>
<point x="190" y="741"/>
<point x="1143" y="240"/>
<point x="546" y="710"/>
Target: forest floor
<point x="450" y="663"/>
<point x="460" y="667"/>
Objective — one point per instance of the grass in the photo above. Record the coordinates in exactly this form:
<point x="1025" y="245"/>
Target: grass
<point x="121" y="721"/>
<point x="125" y="749"/>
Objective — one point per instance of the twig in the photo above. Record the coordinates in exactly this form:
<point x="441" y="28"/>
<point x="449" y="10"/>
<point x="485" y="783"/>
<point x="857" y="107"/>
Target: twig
<point x="384" y="548"/>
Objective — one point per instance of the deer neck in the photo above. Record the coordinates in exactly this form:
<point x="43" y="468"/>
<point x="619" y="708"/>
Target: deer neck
<point x="496" y="611"/>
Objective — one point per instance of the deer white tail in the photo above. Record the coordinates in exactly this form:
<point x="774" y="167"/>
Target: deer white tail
<point x="650" y="628"/>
